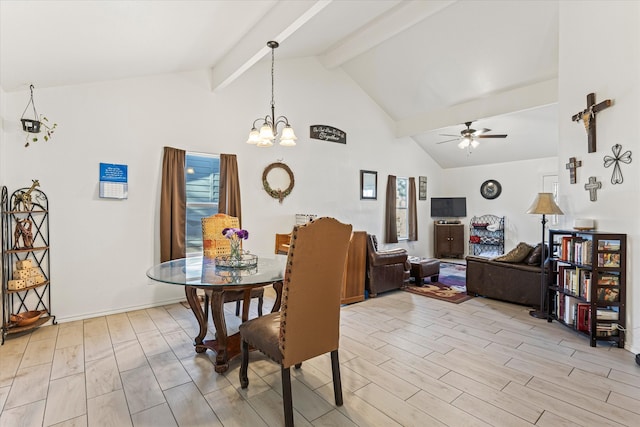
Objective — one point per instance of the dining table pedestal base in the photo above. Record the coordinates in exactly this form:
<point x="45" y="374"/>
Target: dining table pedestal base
<point x="226" y="347"/>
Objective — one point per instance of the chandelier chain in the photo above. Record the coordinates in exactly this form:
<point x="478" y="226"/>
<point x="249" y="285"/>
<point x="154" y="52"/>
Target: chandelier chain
<point x="272" y="79"/>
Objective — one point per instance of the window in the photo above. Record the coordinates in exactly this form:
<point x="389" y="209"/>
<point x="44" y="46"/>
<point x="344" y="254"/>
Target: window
<point x="402" y="208"/>
<point x="202" y="176"/>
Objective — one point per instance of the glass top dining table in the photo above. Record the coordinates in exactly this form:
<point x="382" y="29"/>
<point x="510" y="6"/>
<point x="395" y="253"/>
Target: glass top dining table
<point x="203" y="273"/>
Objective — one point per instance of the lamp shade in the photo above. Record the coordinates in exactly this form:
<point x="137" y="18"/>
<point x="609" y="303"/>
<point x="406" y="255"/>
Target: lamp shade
<point x="544" y="205"/>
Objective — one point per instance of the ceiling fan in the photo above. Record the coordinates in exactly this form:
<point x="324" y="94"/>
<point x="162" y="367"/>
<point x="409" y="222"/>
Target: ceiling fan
<point x="468" y="137"/>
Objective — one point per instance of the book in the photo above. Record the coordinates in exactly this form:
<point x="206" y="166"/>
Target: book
<point x="607" y="314"/>
<point x="608" y="245"/>
<point x="608" y="260"/>
<point x="609" y="294"/>
<point x="582" y="323"/>
<point x="585" y="284"/>
<point x="608" y="279"/>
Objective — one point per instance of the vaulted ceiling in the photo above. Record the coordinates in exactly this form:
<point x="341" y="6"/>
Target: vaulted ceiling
<point x="430" y="65"/>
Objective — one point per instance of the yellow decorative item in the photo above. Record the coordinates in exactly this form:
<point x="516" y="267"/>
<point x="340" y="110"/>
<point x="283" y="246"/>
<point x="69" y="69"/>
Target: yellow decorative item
<point x="21" y="274"/>
<point x="16" y="285"/>
<point x="214" y="243"/>
<point x="23" y="264"/>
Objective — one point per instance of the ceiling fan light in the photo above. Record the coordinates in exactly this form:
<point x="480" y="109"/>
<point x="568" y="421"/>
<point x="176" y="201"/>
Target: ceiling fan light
<point x="463" y="144"/>
<point x="254" y="137"/>
<point x="474" y="143"/>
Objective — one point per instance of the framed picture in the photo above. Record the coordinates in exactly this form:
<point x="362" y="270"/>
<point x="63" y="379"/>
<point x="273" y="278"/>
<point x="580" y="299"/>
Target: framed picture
<point x="422" y="188"/>
<point x="368" y="185"/>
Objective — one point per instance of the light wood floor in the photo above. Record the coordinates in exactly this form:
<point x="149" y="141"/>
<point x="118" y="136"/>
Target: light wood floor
<point x="405" y="360"/>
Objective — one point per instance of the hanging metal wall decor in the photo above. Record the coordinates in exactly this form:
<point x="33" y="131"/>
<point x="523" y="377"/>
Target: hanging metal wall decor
<point x="616" y="176"/>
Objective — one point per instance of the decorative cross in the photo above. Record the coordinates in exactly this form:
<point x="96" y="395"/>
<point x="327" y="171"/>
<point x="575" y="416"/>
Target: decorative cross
<point x="588" y="117"/>
<point x="592" y="186"/>
<point x="572" y="165"/>
<point x="616" y="176"/>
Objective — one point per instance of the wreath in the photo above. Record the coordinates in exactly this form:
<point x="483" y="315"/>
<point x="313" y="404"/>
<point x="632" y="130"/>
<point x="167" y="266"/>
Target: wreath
<point x="277" y="194"/>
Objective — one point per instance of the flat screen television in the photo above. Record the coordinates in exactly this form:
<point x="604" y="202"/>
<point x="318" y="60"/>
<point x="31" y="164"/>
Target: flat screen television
<point x="448" y="207"/>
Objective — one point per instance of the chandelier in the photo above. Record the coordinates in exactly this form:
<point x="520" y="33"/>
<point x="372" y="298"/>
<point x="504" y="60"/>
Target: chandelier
<point x="269" y="127"/>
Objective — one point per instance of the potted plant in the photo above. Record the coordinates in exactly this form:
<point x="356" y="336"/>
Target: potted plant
<point x="36" y="125"/>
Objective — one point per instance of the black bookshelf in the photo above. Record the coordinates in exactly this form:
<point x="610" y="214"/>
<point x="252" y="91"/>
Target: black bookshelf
<point x="588" y="283"/>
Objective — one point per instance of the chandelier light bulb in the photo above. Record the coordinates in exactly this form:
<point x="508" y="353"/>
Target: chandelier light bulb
<point x="254" y="137"/>
<point x="264" y="143"/>
<point x="266" y="132"/>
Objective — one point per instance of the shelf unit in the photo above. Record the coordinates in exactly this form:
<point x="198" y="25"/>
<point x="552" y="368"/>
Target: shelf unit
<point x="25" y="206"/>
<point x="588" y="283"/>
<point x="486" y="235"/>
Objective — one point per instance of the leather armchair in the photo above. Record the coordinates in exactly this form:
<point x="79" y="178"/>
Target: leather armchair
<point x="386" y="270"/>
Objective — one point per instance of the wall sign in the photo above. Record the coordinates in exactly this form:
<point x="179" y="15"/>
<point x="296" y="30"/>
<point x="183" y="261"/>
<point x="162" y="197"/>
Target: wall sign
<point x="327" y="133"/>
<point x="113" y="181"/>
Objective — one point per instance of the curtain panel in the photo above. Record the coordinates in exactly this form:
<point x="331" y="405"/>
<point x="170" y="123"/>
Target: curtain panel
<point x="413" y="211"/>
<point x="173" y="205"/>
<point x="229" y="202"/>
<point x="390" y="227"/>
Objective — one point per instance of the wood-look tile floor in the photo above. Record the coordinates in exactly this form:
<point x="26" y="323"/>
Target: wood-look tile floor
<point x="406" y="360"/>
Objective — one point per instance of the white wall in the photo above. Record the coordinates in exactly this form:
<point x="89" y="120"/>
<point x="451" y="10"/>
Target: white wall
<point x="101" y="249"/>
<point x="600" y="53"/>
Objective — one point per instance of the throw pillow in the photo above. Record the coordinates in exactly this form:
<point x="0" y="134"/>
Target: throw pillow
<point x="535" y="257"/>
<point x="517" y="254"/>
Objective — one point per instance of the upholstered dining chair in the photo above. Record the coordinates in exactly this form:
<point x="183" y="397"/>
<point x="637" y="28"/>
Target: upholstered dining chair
<point x="215" y="244"/>
<point x="308" y="323"/>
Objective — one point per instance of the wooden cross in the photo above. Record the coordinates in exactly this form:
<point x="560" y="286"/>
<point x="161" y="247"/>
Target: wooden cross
<point x="588" y="117"/>
<point x="572" y="165"/>
<point x="592" y="186"/>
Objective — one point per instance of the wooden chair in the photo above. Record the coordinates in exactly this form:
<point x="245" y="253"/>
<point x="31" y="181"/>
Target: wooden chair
<point x="308" y="323"/>
<point x="215" y="244"/>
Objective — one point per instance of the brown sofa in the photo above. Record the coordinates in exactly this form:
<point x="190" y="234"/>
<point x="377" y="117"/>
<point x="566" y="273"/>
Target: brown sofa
<point x="386" y="270"/>
<point x="512" y="282"/>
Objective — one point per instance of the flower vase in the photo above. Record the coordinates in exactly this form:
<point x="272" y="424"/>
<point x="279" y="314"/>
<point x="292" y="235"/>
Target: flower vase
<point x="236" y="253"/>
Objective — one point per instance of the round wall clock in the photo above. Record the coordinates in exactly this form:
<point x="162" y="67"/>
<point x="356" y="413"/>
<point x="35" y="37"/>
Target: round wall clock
<point x="490" y="189"/>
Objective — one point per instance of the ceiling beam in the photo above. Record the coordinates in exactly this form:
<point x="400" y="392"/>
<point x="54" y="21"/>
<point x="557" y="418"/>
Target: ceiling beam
<point x="282" y="20"/>
<point x="396" y="20"/>
<point x="518" y="99"/>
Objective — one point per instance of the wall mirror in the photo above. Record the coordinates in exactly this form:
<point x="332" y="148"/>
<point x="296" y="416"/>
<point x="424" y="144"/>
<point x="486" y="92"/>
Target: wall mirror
<point x="277" y="180"/>
<point x="368" y="185"/>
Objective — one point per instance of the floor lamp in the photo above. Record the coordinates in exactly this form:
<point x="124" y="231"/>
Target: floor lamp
<point x="543" y="205"/>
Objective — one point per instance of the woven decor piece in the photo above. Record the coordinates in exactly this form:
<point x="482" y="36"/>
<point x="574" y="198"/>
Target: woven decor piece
<point x="213" y="242"/>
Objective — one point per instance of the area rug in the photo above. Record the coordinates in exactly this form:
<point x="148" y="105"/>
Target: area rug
<point x="451" y="284"/>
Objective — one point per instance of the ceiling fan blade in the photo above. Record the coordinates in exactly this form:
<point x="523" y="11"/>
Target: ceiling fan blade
<point x="490" y="136"/>
<point x="448" y="140"/>
<point x="481" y="131"/>
<point x="448" y="134"/>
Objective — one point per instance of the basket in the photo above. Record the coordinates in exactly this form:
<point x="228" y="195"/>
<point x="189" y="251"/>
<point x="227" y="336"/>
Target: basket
<point x="27" y="318"/>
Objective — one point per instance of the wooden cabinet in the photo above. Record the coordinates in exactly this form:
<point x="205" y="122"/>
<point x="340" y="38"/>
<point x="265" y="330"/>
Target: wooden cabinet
<point x="588" y="283"/>
<point x="449" y="240"/>
<point x="25" y="260"/>
<point x="353" y="287"/>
